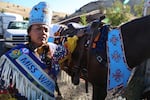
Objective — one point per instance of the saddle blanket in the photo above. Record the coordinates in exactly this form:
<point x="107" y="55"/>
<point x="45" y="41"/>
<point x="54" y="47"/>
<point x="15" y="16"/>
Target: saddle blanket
<point x="118" y="70"/>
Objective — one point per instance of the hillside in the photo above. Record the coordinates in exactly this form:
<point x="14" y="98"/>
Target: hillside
<point x="59" y="16"/>
<point x="100" y="4"/>
<point x="24" y="11"/>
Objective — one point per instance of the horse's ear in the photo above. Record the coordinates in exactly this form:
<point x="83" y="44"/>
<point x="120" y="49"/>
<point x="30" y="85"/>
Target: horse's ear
<point x="97" y="23"/>
<point x="62" y="29"/>
<point x="70" y="26"/>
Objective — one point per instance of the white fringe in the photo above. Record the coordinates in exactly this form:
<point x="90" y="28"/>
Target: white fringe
<point x="24" y="86"/>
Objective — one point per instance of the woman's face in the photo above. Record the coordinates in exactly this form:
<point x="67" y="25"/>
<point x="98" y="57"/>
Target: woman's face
<point x="39" y="34"/>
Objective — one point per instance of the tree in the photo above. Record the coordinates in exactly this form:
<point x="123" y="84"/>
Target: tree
<point x="83" y="20"/>
<point x="2" y="11"/>
<point x="138" y="9"/>
<point x="118" y="13"/>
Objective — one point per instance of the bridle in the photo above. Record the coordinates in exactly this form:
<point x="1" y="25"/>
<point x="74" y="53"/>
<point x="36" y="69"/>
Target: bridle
<point x="75" y="69"/>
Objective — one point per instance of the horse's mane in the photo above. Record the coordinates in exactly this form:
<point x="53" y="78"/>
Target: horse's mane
<point x="135" y="34"/>
<point x="138" y="22"/>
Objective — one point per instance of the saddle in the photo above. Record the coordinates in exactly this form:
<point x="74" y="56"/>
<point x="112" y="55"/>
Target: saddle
<point x="99" y="44"/>
<point x="98" y="47"/>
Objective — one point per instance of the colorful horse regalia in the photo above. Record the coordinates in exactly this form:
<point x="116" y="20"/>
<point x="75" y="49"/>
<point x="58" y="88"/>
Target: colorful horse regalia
<point x="22" y="69"/>
<point x="119" y="72"/>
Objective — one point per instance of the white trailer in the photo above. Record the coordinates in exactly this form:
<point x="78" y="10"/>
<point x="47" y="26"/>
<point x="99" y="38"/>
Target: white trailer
<point x="5" y="18"/>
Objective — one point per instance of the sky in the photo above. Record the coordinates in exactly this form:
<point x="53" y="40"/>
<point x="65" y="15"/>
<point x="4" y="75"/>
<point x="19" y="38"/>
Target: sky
<point x="66" y="6"/>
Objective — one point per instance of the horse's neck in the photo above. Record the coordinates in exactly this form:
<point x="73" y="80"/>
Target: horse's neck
<point x="136" y="39"/>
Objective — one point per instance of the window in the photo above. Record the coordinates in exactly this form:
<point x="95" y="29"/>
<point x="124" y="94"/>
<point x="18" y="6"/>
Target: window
<point x="18" y="25"/>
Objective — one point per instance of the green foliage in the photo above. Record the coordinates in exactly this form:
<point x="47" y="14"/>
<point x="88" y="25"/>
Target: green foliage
<point x="138" y="9"/>
<point x="83" y="20"/>
<point x="118" y="13"/>
<point x="2" y="10"/>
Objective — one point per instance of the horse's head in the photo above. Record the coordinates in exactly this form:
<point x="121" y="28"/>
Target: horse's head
<point x="77" y="61"/>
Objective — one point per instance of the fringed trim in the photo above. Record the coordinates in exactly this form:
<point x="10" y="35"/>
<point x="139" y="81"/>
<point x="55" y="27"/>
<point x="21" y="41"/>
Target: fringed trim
<point x="24" y="86"/>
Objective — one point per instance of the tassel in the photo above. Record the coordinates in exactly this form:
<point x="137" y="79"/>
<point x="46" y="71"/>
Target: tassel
<point x="29" y="92"/>
<point x="14" y="77"/>
<point x="2" y="61"/>
<point x="41" y="97"/>
<point x="9" y="75"/>
<point x="21" y="87"/>
<point x="24" y="86"/>
<point x="4" y="74"/>
<point x="17" y="80"/>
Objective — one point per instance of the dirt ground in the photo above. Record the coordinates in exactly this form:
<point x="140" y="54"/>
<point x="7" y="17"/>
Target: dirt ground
<point x="72" y="92"/>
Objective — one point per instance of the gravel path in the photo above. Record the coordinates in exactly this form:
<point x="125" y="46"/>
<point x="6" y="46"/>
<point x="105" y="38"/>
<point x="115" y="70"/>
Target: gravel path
<point x="72" y="92"/>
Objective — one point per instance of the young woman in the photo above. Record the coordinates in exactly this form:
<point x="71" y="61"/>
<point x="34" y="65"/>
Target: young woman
<point x="31" y="69"/>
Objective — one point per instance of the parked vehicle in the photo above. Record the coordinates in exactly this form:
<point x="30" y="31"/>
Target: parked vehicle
<point x="15" y="34"/>
<point x="5" y="18"/>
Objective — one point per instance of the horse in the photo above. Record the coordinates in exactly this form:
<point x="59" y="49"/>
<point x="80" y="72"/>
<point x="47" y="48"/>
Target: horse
<point x="136" y="36"/>
<point x="74" y="67"/>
